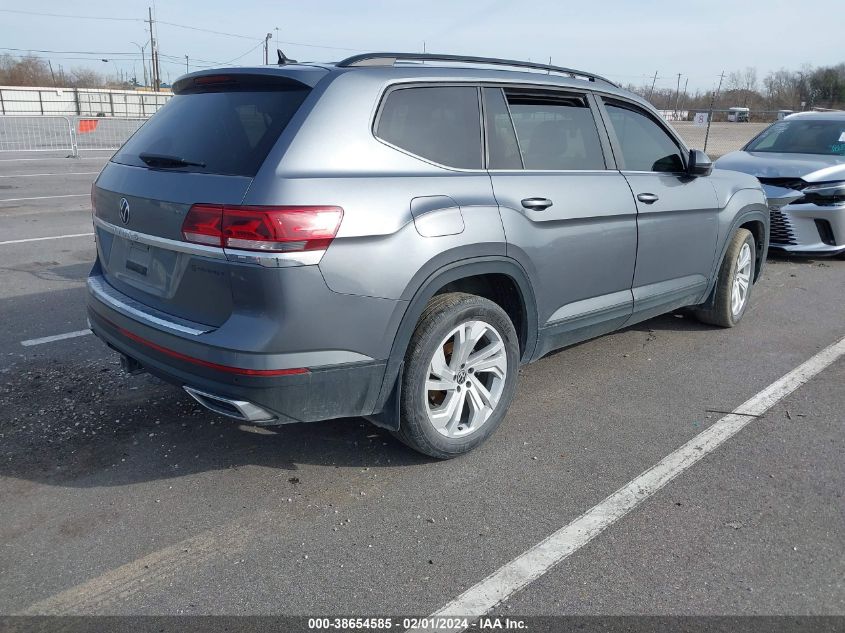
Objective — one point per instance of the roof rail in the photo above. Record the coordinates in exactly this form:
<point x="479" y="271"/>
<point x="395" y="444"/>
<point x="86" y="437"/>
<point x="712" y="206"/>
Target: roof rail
<point x="389" y="59"/>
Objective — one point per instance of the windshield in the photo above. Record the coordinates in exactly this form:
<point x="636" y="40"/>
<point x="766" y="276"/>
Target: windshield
<point x="228" y="132"/>
<point x="805" y="136"/>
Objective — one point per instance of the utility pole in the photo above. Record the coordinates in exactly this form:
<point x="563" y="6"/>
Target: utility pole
<point x="50" y="64"/>
<point x="680" y="103"/>
<point x="187" y="67"/>
<point x="153" y="53"/>
<point x="143" y="60"/>
<point x="710" y="114"/>
<point x="677" y="96"/>
<point x="653" y="81"/>
<point x="267" y="48"/>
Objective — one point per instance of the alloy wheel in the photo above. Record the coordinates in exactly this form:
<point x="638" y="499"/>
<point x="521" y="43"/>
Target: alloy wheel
<point x="466" y="377"/>
<point x="742" y="280"/>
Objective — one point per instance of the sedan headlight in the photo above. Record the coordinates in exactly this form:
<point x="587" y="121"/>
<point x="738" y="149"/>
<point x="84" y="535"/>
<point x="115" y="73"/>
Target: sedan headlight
<point x="825" y="192"/>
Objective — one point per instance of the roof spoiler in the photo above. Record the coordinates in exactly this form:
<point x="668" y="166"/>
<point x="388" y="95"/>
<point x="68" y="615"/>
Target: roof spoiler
<point x="223" y="80"/>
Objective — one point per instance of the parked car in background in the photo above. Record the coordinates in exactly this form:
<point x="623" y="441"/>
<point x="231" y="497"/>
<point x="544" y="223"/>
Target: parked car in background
<point x="801" y="163"/>
<point x="385" y="238"/>
<point x="739" y="114"/>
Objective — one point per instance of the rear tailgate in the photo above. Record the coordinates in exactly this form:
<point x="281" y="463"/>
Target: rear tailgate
<point x="204" y="146"/>
<point x="155" y="272"/>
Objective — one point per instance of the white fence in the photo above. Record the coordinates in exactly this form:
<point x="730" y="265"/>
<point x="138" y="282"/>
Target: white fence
<point x="97" y="102"/>
<point x="73" y="134"/>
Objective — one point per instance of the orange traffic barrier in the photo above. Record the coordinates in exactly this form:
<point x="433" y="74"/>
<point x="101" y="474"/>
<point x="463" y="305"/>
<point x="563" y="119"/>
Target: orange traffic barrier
<point x="87" y="125"/>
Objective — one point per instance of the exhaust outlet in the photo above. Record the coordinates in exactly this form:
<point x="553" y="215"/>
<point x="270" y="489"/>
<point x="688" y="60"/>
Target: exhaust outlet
<point x="237" y="409"/>
<point x="130" y="365"/>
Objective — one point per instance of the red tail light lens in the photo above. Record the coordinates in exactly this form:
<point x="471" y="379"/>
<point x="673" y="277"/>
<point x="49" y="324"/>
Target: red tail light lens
<point x="268" y="229"/>
<point x="202" y="225"/>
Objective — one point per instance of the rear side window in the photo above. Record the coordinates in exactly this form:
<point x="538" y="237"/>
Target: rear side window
<point x="230" y="132"/>
<point x="555" y="131"/>
<point x="502" y="148"/>
<point x="441" y="124"/>
<point x="645" y="145"/>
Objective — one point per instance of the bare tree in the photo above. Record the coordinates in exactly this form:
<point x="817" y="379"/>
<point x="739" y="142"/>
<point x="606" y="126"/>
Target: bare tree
<point x="24" y="71"/>
<point x="85" y="78"/>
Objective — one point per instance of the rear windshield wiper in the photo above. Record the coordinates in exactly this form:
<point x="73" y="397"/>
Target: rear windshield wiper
<point x="164" y="160"/>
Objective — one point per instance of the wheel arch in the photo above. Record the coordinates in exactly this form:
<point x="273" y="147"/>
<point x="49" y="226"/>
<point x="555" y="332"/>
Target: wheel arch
<point x="755" y="218"/>
<point x="449" y="278"/>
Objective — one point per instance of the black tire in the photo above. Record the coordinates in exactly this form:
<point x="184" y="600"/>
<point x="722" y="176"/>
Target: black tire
<point x="721" y="313"/>
<point x="442" y="315"/>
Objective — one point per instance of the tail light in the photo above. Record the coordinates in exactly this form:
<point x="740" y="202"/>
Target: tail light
<point x="268" y="229"/>
<point x="202" y="224"/>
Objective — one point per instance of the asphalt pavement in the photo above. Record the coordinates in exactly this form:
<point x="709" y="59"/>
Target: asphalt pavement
<point x="119" y="495"/>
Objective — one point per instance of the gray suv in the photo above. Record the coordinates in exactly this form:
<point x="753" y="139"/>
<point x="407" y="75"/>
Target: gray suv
<point x="393" y="235"/>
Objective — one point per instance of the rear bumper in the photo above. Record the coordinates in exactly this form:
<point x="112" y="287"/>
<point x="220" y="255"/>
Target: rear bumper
<point x="288" y="394"/>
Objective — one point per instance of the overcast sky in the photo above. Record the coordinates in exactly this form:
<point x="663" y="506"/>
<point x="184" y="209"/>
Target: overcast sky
<point x="625" y="40"/>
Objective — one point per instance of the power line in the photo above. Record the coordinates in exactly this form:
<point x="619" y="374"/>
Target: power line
<point x="87" y="59"/>
<point x="39" y="50"/>
<point x="196" y="28"/>
<point x="65" y="15"/>
<point x="97" y="55"/>
<point x="261" y="43"/>
<point x="251" y="37"/>
<point x="177" y="25"/>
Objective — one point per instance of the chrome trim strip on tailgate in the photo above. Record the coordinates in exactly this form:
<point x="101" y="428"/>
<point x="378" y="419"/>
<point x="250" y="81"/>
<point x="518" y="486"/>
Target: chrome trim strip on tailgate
<point x="162" y="242"/>
<point x="269" y="260"/>
<point x="139" y="312"/>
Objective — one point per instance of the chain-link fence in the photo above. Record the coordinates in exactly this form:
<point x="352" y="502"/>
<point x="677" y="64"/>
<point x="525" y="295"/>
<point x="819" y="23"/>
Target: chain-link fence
<point x="65" y="133"/>
<point x="718" y="132"/>
<point x="722" y="138"/>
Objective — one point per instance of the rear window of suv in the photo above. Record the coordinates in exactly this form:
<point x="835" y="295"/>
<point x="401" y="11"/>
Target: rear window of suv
<point x="229" y="132"/>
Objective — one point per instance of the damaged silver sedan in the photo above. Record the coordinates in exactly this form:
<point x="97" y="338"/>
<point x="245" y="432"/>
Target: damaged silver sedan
<point x="801" y="163"/>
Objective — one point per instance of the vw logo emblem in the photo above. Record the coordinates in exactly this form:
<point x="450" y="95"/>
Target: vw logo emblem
<point x="124" y="210"/>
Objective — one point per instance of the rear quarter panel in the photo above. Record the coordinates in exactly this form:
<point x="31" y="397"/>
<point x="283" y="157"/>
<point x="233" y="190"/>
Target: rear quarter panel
<point x="329" y="155"/>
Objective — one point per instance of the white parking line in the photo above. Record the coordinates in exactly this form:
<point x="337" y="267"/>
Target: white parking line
<point x="531" y="565"/>
<point x="66" y="173"/>
<point x="55" y="337"/>
<point x="39" y="239"/>
<point x="17" y="160"/>
<point x="67" y="195"/>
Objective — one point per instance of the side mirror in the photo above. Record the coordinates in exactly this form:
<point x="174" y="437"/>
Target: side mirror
<point x="699" y="164"/>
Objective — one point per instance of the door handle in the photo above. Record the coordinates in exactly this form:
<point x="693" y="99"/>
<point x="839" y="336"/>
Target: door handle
<point x="537" y="204"/>
<point x="648" y="198"/>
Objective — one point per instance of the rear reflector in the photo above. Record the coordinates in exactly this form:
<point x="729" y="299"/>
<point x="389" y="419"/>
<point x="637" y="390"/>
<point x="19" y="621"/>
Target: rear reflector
<point x="243" y="371"/>
<point x="260" y="228"/>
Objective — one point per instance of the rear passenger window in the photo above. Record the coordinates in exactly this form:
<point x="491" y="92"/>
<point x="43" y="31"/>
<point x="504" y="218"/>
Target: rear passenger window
<point x="502" y="148"/>
<point x="441" y="124"/>
<point x="555" y="131"/>
<point x="645" y="145"/>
